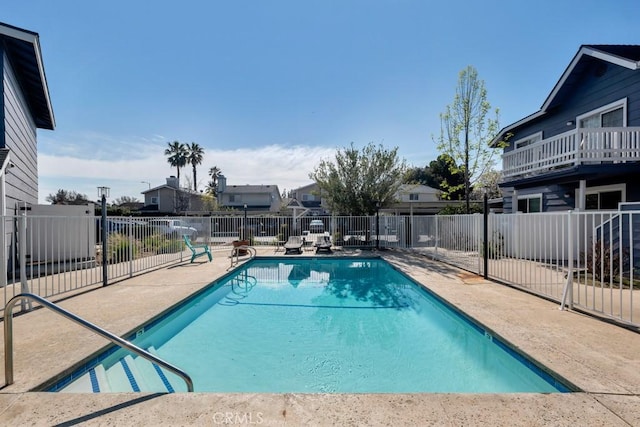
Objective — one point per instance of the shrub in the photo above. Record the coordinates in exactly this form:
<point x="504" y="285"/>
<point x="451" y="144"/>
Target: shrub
<point x="604" y="263"/>
<point x="169" y="246"/>
<point x="120" y="248"/>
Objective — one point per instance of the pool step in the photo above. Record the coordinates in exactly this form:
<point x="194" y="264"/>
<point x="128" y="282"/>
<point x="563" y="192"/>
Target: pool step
<point x="129" y="374"/>
<point x="158" y="380"/>
<point x="91" y="382"/>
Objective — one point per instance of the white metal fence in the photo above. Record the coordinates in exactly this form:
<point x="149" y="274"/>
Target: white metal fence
<point x="591" y="259"/>
<point x="587" y="260"/>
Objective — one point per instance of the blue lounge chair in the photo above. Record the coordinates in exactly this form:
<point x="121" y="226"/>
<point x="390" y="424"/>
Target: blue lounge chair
<point x="197" y="250"/>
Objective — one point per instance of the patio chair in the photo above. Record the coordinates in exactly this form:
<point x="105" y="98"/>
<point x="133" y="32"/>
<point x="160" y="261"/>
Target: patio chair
<point x="197" y="250"/>
<point x="323" y="243"/>
<point x="293" y="245"/>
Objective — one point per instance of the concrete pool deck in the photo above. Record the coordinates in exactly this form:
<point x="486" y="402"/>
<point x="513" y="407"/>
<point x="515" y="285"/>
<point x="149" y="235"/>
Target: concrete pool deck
<point x="601" y="359"/>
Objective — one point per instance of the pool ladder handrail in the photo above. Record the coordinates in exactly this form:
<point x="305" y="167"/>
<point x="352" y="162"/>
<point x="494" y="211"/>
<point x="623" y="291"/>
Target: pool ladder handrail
<point x="236" y="251"/>
<point x="8" y="338"/>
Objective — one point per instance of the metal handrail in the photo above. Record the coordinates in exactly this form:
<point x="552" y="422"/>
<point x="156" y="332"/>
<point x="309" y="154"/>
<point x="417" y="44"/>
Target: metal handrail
<point x="236" y="251"/>
<point x="8" y="338"/>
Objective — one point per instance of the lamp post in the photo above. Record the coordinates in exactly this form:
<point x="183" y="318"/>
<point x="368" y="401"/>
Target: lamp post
<point x="244" y="224"/>
<point x="146" y="182"/>
<point x="103" y="192"/>
<point x="377" y="225"/>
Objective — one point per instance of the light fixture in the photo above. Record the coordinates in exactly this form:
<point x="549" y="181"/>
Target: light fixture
<point x="570" y="123"/>
<point x="103" y="192"/>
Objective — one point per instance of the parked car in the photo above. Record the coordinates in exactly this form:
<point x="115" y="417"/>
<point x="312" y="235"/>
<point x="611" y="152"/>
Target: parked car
<point x="316" y="226"/>
<point x="173" y="227"/>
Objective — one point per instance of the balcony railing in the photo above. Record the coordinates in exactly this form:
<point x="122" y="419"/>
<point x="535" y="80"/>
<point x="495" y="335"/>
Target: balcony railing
<point x="573" y="148"/>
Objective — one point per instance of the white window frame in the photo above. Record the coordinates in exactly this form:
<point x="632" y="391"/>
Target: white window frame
<point x="604" y="189"/>
<point x="414" y="197"/>
<point x="154" y="200"/>
<point x="521" y="142"/>
<point x="530" y="196"/>
<point x="605" y="109"/>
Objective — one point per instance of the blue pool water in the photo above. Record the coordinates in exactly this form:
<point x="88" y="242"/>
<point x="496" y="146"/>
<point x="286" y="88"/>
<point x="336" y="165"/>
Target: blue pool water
<point x="317" y="325"/>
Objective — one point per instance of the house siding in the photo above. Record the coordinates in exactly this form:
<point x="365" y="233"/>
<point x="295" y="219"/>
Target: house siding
<point x="591" y="92"/>
<point x="20" y="137"/>
<point x="555" y="198"/>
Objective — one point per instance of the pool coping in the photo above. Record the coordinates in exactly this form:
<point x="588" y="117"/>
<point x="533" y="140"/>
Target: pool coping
<point x="608" y="369"/>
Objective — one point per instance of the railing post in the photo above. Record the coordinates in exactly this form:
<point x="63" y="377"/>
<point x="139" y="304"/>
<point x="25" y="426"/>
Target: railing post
<point x="485" y="235"/>
<point x="568" y="287"/>
<point x="437" y="235"/>
<point x="22" y="255"/>
<point x="130" y="233"/>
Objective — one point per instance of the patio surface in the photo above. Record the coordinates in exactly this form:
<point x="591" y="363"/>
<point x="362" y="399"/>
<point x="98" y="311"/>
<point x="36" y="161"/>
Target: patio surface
<point x="601" y="359"/>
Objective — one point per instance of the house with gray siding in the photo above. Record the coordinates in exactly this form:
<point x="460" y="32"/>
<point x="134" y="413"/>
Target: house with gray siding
<point x="255" y="198"/>
<point x="310" y="197"/>
<point x="581" y="150"/>
<point x="170" y="198"/>
<point x="25" y="106"/>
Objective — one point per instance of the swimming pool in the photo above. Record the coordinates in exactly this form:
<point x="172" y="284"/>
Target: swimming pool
<point x="316" y="325"/>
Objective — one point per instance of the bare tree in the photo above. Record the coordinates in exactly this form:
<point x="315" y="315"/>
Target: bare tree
<point x="466" y="130"/>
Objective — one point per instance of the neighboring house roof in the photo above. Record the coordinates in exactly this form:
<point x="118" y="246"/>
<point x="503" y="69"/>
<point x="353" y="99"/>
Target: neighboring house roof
<point x="308" y="187"/>
<point x="251" y="189"/>
<point x="417" y="188"/>
<point x="627" y="56"/>
<point x="23" y="50"/>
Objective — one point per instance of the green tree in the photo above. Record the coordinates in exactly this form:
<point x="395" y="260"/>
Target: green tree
<point x="176" y="155"/>
<point x="125" y="199"/>
<point x="64" y="197"/>
<point x="358" y="180"/>
<point x="194" y="156"/>
<point x="466" y="130"/>
<point x="442" y="174"/>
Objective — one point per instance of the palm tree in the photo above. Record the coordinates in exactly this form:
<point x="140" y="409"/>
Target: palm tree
<point x="177" y="153"/>
<point x="194" y="156"/>
<point x="212" y="186"/>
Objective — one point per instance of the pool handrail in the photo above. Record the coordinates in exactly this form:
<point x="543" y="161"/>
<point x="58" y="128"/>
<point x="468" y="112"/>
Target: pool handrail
<point x="235" y="252"/>
<point x="8" y="338"/>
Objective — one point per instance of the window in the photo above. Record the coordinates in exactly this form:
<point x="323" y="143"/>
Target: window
<point x="530" y="203"/>
<point x="154" y="200"/>
<point x="611" y="115"/>
<point x="414" y="196"/>
<point x="531" y="139"/>
<point x="233" y="198"/>
<point x="604" y="198"/>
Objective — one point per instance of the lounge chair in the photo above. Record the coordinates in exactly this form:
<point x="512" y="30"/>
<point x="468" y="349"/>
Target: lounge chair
<point x="197" y="250"/>
<point x="323" y="243"/>
<point x="294" y="245"/>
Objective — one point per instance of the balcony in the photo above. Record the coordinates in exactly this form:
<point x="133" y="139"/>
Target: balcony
<point x="573" y="148"/>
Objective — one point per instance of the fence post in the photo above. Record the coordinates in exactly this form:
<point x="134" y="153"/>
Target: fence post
<point x="485" y="244"/>
<point x="130" y="233"/>
<point x="437" y="236"/>
<point x="568" y="287"/>
<point x="22" y="254"/>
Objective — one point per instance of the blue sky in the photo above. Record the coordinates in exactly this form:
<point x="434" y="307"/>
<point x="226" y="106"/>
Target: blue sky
<point x="268" y="88"/>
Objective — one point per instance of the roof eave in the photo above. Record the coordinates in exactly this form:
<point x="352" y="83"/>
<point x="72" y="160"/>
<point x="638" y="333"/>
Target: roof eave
<point x="585" y="50"/>
<point x="33" y="39"/>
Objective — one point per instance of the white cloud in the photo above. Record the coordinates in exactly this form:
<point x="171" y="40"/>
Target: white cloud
<point x="286" y="167"/>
